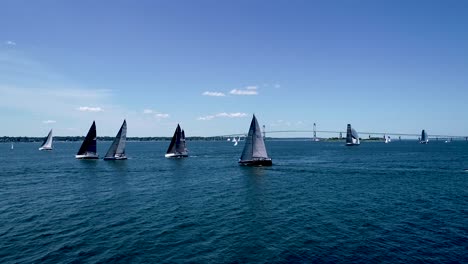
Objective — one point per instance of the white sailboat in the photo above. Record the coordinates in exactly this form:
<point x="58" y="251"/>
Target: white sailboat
<point x="235" y="141"/>
<point x="117" y="149"/>
<point x="177" y="147"/>
<point x="352" y="137"/>
<point x="12" y="147"/>
<point x="88" y="149"/>
<point x="254" y="153"/>
<point x="47" y="144"/>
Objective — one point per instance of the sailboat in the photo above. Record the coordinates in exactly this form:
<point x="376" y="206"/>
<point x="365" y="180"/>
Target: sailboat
<point x="47" y="144"/>
<point x="235" y="141"/>
<point x="254" y="153"/>
<point x="423" y="139"/>
<point x="177" y="148"/>
<point x="117" y="149"/>
<point x="88" y="149"/>
<point x="12" y="146"/>
<point x="352" y="137"/>
<point x="387" y="139"/>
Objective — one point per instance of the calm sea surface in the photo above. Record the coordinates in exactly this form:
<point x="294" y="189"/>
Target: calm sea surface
<point x="321" y="202"/>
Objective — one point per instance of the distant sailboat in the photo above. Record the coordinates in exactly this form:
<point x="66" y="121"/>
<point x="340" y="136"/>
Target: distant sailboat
<point x="352" y="137"/>
<point x="235" y="141"/>
<point x="254" y="153"/>
<point x="423" y="139"/>
<point x="88" y="149"/>
<point x="47" y="144"/>
<point x="387" y="139"/>
<point x="12" y="147"/>
<point x="177" y="147"/>
<point x="117" y="149"/>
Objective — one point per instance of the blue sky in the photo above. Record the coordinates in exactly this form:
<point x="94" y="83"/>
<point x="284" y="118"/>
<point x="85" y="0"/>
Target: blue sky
<point x="384" y="66"/>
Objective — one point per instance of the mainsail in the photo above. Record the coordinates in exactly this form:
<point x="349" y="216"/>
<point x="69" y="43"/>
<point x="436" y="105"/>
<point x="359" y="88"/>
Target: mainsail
<point x="47" y="144"/>
<point x="254" y="148"/>
<point x="89" y="149"/>
<point x="117" y="149"/>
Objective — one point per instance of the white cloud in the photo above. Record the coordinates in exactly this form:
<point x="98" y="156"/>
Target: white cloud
<point x="277" y="86"/>
<point x="49" y="121"/>
<point x="161" y="115"/>
<point x="228" y="115"/>
<point x="156" y="114"/>
<point x="10" y="43"/>
<point x="249" y="90"/>
<point x="217" y="94"/>
<point x="90" y="109"/>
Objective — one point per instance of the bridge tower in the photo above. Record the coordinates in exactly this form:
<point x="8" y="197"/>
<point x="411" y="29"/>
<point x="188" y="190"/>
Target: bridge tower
<point x="264" y="133"/>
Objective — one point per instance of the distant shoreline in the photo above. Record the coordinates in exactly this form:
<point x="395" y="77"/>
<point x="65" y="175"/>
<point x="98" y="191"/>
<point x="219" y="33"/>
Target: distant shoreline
<point x="148" y="139"/>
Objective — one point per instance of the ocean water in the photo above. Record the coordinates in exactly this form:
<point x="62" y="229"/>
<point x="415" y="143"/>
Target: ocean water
<point x="320" y="203"/>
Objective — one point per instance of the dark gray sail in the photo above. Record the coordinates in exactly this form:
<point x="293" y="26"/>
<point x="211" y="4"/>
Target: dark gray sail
<point x="117" y="148"/>
<point x="349" y="136"/>
<point x="89" y="143"/>
<point x="177" y="146"/>
<point x="424" y="138"/>
<point x="184" y="144"/>
<point x="254" y="148"/>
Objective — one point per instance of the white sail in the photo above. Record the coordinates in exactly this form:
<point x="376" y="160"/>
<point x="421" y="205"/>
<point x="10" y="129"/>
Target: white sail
<point x="117" y="148"/>
<point x="47" y="144"/>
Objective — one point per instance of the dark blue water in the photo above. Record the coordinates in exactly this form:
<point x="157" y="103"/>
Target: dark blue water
<point x="321" y="202"/>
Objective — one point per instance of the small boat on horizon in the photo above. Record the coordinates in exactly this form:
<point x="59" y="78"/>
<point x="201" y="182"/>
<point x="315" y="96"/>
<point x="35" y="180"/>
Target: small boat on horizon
<point x="254" y="153"/>
<point x="88" y="149"/>
<point x="423" y="139"/>
<point x="47" y="144"/>
<point x="387" y="139"/>
<point x="177" y="147"/>
<point x="12" y="146"/>
<point x="117" y="148"/>
<point x="352" y="137"/>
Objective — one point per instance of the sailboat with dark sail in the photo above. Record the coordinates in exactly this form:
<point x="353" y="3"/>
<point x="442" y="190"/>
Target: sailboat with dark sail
<point x="88" y="149"/>
<point x="47" y="144"/>
<point x="117" y="149"/>
<point x="254" y="153"/>
<point x="177" y="147"/>
<point x="352" y="137"/>
<point x="424" y="139"/>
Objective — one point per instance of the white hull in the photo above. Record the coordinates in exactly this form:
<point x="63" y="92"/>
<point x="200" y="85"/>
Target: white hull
<point x="176" y="155"/>
<point x="116" y="158"/>
<point x="87" y="156"/>
<point x="45" y="148"/>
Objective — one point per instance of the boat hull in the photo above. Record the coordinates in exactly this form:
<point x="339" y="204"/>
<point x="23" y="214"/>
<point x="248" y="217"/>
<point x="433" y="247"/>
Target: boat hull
<point x="256" y="163"/>
<point x="115" y="158"/>
<point x="87" y="157"/>
<point x="45" y="148"/>
<point x="352" y="144"/>
<point x="176" y="155"/>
